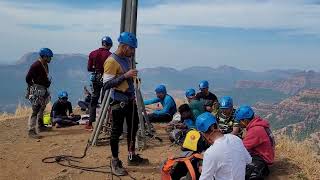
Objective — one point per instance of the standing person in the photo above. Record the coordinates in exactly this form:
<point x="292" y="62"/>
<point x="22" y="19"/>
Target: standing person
<point x="226" y="158"/>
<point x="118" y="75"/>
<point x="38" y="83"/>
<point x="258" y="140"/>
<point x="95" y="66"/>
<point x="211" y="100"/>
<point x="167" y="102"/>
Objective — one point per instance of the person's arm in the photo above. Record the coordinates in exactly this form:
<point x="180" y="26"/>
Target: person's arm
<point x="209" y="165"/>
<point x="70" y="108"/>
<point x="90" y="62"/>
<point x="252" y="138"/>
<point x="235" y="130"/>
<point x="30" y="75"/>
<point x="151" y="101"/>
<point x="167" y="105"/>
<point x="53" y="110"/>
<point x="109" y="77"/>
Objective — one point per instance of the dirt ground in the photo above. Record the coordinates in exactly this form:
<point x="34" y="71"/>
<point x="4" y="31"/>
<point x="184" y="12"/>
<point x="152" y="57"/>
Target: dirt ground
<point x="20" y="157"/>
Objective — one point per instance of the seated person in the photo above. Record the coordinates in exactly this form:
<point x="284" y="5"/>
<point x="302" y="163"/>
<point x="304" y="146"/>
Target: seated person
<point x="259" y="141"/>
<point x="226" y="117"/>
<point x="197" y="106"/>
<point x="59" y="111"/>
<point x="226" y="158"/>
<point x="211" y="100"/>
<point x="167" y="102"/>
<point x="84" y="105"/>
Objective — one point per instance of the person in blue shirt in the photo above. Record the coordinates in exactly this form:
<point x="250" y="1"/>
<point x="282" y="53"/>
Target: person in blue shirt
<point x="167" y="102"/>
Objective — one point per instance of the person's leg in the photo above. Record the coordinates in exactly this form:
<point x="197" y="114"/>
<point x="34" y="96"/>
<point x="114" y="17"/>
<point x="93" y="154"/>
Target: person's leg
<point x="159" y="117"/>
<point x="116" y="131"/>
<point x="257" y="169"/>
<point x="83" y="105"/>
<point x="94" y="102"/>
<point x="132" y="120"/>
<point x="33" y="121"/>
<point x="41" y="126"/>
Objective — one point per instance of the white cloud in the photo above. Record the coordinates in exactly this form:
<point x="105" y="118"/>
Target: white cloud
<point x="84" y="27"/>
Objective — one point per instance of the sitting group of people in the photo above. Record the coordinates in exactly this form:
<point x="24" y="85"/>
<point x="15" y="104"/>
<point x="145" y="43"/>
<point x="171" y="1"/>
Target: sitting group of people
<point x="229" y="153"/>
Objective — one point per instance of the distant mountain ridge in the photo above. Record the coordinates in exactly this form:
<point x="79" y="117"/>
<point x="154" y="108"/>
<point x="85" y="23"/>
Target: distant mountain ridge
<point x="297" y="116"/>
<point x="68" y="72"/>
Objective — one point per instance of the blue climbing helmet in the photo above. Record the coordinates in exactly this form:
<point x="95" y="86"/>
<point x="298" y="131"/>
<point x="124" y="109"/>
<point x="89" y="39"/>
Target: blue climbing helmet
<point x="107" y="40"/>
<point x="45" y="52"/>
<point x="161" y="89"/>
<point x="190" y="92"/>
<point x="63" y="94"/>
<point x="226" y="102"/>
<point x="203" y="84"/>
<point x="244" y="112"/>
<point x="204" y="121"/>
<point x="128" y="39"/>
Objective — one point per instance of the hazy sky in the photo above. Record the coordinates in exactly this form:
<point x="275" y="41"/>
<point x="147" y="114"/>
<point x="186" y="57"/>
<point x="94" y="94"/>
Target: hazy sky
<point x="249" y="34"/>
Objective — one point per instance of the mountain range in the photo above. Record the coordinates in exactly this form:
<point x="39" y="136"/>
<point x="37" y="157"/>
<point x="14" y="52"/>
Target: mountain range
<point x="68" y="72"/>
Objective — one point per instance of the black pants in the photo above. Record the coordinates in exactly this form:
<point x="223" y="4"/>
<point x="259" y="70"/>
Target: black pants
<point x="130" y="113"/>
<point x="65" y="121"/>
<point x="83" y="105"/>
<point x="94" y="101"/>
<point x="159" y="117"/>
<point x="257" y="169"/>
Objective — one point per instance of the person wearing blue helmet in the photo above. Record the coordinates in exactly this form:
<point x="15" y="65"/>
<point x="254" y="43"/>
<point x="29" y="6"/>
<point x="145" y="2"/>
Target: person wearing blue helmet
<point x="259" y="141"/>
<point x="84" y="104"/>
<point x="226" y="158"/>
<point x="210" y="98"/>
<point x="95" y="67"/>
<point x="61" y="112"/>
<point x="38" y="82"/>
<point x="119" y="76"/>
<point x="225" y="116"/>
<point x="168" y="105"/>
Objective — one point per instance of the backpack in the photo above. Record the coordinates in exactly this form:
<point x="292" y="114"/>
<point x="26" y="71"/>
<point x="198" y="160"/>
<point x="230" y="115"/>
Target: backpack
<point x="182" y="167"/>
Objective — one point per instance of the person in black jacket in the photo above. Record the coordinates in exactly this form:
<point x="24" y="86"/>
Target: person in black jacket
<point x="61" y="112"/>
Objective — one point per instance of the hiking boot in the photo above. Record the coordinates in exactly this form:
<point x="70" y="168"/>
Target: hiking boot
<point x="32" y="134"/>
<point x="117" y="168"/>
<point x="137" y="160"/>
<point x="88" y="127"/>
<point x="44" y="129"/>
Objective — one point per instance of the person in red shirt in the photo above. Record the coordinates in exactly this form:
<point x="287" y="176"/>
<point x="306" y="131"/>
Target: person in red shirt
<point x="95" y="66"/>
<point x="38" y="82"/>
<point x="259" y="141"/>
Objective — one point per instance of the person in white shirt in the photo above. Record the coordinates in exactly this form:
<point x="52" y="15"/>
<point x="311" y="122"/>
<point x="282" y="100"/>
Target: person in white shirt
<point x="227" y="157"/>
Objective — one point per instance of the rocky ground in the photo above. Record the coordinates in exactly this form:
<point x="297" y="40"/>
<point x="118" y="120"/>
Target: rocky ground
<point x="20" y="157"/>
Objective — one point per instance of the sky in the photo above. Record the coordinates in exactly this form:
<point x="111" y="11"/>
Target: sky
<point x="248" y="34"/>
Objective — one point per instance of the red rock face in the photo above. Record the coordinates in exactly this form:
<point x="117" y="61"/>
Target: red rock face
<point x="298" y="115"/>
<point x="290" y="86"/>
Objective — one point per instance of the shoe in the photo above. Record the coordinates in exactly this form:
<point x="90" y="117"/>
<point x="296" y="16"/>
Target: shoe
<point x="44" y="129"/>
<point x="88" y="127"/>
<point x="136" y="160"/>
<point x="117" y="168"/>
<point x="32" y="134"/>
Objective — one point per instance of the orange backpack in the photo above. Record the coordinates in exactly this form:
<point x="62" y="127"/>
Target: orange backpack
<point x="176" y="168"/>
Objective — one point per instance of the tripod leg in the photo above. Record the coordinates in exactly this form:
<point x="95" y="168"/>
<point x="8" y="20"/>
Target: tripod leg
<point x="103" y="113"/>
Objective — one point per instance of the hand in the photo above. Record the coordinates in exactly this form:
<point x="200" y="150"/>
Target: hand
<point x="131" y="73"/>
<point x="71" y="114"/>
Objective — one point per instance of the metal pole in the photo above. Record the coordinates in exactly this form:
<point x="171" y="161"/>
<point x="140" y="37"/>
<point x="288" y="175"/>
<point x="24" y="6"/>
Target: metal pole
<point x="123" y="16"/>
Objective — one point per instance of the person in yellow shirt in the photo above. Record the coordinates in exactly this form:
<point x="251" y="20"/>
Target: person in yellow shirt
<point x="118" y="76"/>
